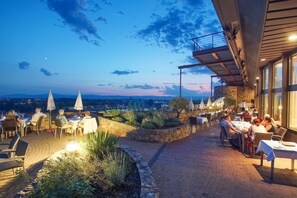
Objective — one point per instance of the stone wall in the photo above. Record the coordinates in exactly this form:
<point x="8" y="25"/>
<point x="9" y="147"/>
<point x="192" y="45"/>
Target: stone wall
<point x="144" y="135"/>
<point x="116" y="128"/>
<point x="238" y="93"/>
<point x="160" y="135"/>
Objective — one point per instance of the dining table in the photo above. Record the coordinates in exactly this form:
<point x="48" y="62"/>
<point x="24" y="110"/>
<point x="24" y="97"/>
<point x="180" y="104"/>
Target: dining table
<point x="24" y="122"/>
<point x="277" y="149"/>
<point x="242" y="128"/>
<point x="75" y="122"/>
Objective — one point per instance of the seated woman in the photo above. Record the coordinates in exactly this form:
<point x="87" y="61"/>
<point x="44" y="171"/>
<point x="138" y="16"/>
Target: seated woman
<point x="87" y="115"/>
<point x="255" y="128"/>
<point x="269" y="125"/>
<point x="11" y="115"/>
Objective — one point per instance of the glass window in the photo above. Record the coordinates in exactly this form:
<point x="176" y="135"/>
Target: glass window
<point x="278" y="75"/>
<point x="293" y="70"/>
<point x="265" y="78"/>
<point x="277" y="106"/>
<point x="265" y="103"/>
<point x="293" y="110"/>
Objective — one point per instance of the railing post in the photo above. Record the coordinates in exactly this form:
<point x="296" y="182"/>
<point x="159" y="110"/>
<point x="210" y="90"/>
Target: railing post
<point x="180" y="83"/>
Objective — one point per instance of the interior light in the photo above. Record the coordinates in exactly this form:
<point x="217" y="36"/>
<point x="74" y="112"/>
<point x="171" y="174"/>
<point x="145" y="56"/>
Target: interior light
<point x="263" y="59"/>
<point x="257" y="78"/>
<point x="255" y="84"/>
<point x="293" y="37"/>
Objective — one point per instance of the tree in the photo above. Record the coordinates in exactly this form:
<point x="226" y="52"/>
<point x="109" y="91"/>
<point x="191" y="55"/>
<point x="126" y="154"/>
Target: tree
<point x="178" y="104"/>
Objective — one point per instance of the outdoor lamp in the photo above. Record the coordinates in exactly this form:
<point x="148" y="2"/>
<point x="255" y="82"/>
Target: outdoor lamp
<point x="72" y="147"/>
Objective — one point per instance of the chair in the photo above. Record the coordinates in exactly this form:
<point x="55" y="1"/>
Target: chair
<point x="12" y="144"/>
<point x="60" y="127"/>
<point x="279" y="134"/>
<point x="224" y="137"/>
<point x="209" y="118"/>
<point x="193" y="122"/>
<point x="8" y="125"/>
<point x="247" y="119"/>
<point x="17" y="160"/>
<point x="258" y="138"/>
<point x="36" y="127"/>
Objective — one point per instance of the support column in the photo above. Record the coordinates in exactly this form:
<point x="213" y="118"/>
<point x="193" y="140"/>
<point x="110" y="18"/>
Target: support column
<point x="270" y="85"/>
<point x="180" y="82"/>
<point x="285" y="85"/>
<point x="211" y="86"/>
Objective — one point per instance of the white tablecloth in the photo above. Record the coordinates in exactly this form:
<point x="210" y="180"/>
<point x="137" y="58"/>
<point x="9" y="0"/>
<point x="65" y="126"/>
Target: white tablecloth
<point x="241" y="125"/>
<point x="90" y="125"/>
<point x="74" y="122"/>
<point x="275" y="149"/>
<point x="202" y="120"/>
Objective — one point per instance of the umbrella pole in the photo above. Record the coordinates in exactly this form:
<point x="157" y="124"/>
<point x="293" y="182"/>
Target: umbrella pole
<point x="50" y="120"/>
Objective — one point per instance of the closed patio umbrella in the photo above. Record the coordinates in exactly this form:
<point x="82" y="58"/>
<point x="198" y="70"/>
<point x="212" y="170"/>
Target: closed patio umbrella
<point x="219" y="102"/>
<point x="50" y="106"/>
<point x="78" y="104"/>
<point x="202" y="105"/>
<point x="191" y="105"/>
<point x="208" y="104"/>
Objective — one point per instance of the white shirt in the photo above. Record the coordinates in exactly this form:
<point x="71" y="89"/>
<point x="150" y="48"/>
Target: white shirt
<point x="258" y="129"/>
<point x="35" y="117"/>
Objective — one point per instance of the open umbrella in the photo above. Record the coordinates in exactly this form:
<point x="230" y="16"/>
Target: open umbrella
<point x="202" y="105"/>
<point x="219" y="102"/>
<point x="50" y="106"/>
<point x="208" y="104"/>
<point x="78" y="104"/>
<point x="191" y="105"/>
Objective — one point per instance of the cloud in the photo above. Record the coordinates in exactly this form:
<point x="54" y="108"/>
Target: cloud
<point x="46" y="72"/>
<point x="107" y="2"/>
<point x="124" y="72"/>
<point x="24" y="65"/>
<point x="71" y="11"/>
<point x="145" y="86"/>
<point x="199" y="70"/>
<point x="174" y="91"/>
<point x="102" y="19"/>
<point x="183" y="21"/>
<point x="121" y="13"/>
<point x="104" y="85"/>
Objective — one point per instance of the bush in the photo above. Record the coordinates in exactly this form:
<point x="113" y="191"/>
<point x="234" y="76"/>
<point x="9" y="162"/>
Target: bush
<point x="66" y="177"/>
<point x="158" y="121"/>
<point x="140" y="116"/>
<point x="148" y="125"/>
<point x="117" y="119"/>
<point x="171" y="124"/>
<point x="100" y="143"/>
<point x="113" y="113"/>
<point x="132" y="123"/>
<point x="128" y="115"/>
<point x="115" y="167"/>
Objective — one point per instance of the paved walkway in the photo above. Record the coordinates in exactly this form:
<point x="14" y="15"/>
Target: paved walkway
<point x="197" y="166"/>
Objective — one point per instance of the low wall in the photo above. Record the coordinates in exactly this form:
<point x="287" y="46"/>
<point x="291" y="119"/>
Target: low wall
<point x="113" y="127"/>
<point x="160" y="135"/>
<point x="144" y="135"/>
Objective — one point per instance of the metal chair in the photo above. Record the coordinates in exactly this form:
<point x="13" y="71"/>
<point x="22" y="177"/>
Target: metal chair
<point x="193" y="122"/>
<point x="7" y="126"/>
<point x="12" y="144"/>
<point x="36" y="127"/>
<point x="61" y="128"/>
<point x="279" y="134"/>
<point x="17" y="160"/>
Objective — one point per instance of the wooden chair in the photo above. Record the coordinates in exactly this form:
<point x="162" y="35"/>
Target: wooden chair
<point x="224" y="137"/>
<point x="60" y="128"/>
<point x="279" y="134"/>
<point x="12" y="144"/>
<point x="258" y="138"/>
<point x="7" y="126"/>
<point x="17" y="160"/>
<point x="37" y="127"/>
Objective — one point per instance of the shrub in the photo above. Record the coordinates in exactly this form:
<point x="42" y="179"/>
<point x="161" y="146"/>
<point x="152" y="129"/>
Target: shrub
<point x="158" y="121"/>
<point x="171" y="124"/>
<point x="100" y="143"/>
<point x="140" y="116"/>
<point x="66" y="177"/>
<point x="148" y="125"/>
<point x="117" y="119"/>
<point x="113" y="113"/>
<point x="128" y="115"/>
<point x="132" y="123"/>
<point x="178" y="104"/>
<point x="115" y="167"/>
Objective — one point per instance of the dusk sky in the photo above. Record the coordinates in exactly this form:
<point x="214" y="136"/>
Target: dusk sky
<point x="103" y="47"/>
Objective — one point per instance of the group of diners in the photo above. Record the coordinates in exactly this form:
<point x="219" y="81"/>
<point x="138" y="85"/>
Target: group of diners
<point x="258" y="126"/>
<point x="32" y="121"/>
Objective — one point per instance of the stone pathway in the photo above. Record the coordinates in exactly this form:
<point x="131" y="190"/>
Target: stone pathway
<point x="197" y="166"/>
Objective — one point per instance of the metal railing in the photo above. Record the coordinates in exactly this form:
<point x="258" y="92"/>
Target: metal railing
<point x="209" y="41"/>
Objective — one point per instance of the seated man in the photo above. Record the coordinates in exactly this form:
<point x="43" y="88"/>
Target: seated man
<point x="64" y="122"/>
<point x="36" y="116"/>
<point x="246" y="114"/>
<point x="232" y="131"/>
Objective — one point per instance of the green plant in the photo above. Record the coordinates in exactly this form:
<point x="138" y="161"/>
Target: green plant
<point x="66" y="177"/>
<point x="140" y="116"/>
<point x="132" y="123"/>
<point x="23" y="175"/>
<point x="171" y="122"/>
<point x="128" y="115"/>
<point x="178" y="104"/>
<point x="148" y="125"/>
<point x="158" y="121"/>
<point x="113" y="113"/>
<point x="117" y="119"/>
<point x="228" y="102"/>
<point x="115" y="167"/>
<point x="100" y="143"/>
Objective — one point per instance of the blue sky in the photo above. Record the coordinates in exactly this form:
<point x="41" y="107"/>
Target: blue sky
<point x="103" y="47"/>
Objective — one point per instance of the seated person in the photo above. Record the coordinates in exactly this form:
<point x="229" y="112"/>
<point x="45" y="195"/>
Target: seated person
<point x="232" y="131"/>
<point x="64" y="122"/>
<point x="269" y="125"/>
<point x="11" y="115"/>
<point x="36" y="116"/>
<point x="87" y="115"/>
<point x="246" y="114"/>
<point x="255" y="128"/>
<point x="264" y="122"/>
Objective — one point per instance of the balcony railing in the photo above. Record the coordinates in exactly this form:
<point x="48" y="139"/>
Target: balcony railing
<point x="209" y="41"/>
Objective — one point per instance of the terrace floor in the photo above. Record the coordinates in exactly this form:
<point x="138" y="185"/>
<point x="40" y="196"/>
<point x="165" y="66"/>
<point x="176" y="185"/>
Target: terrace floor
<point x="197" y="166"/>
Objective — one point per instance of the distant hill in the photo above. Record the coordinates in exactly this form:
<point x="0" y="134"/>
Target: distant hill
<point x="93" y="96"/>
